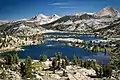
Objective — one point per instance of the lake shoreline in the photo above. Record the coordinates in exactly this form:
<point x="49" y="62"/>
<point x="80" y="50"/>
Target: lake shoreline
<point x="49" y="48"/>
<point x="18" y="48"/>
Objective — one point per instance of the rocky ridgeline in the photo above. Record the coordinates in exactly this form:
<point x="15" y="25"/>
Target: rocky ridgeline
<point x="82" y="23"/>
<point x="85" y="22"/>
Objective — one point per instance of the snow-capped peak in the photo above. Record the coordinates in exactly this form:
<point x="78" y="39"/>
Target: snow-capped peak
<point x="55" y="16"/>
<point x="42" y="16"/>
<point x="39" y="17"/>
<point x="43" y="19"/>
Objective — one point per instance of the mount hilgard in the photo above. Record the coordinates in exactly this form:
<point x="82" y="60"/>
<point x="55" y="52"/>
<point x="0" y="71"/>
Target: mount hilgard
<point x="82" y="23"/>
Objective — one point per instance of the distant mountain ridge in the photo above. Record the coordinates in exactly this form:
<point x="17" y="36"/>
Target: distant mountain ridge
<point x="85" y="22"/>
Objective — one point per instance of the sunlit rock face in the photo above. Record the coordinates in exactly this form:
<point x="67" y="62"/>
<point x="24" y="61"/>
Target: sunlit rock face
<point x="43" y="19"/>
<point x="107" y="11"/>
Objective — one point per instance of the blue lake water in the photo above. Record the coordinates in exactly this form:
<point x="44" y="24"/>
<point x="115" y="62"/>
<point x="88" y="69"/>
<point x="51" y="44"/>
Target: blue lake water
<point x="50" y="47"/>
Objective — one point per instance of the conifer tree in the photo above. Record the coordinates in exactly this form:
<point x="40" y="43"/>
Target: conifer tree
<point x="107" y="71"/>
<point x="59" y="65"/>
<point x="22" y="69"/>
<point x="54" y="63"/>
<point x="66" y="61"/>
<point x="28" y="68"/>
<point x="9" y="60"/>
<point x="75" y="61"/>
<point x="55" y="55"/>
<point x="63" y="64"/>
<point x="15" y="59"/>
<point x="59" y="55"/>
<point x="43" y="57"/>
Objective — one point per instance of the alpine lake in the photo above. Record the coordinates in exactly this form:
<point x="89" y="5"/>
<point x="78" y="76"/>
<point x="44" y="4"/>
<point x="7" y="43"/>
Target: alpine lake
<point x="49" y="47"/>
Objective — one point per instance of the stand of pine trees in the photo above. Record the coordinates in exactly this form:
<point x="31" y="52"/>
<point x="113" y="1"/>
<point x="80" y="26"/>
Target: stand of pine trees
<point x="12" y="59"/>
<point x="58" y="63"/>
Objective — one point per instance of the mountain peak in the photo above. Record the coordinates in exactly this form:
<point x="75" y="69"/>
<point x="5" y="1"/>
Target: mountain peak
<point x="107" y="11"/>
<point x="55" y="16"/>
<point x="43" y="19"/>
<point x="42" y="16"/>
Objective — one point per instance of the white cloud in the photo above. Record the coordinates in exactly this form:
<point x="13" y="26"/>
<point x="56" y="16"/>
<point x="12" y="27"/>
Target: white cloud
<point x="63" y="4"/>
<point x="67" y="7"/>
<point x="57" y="4"/>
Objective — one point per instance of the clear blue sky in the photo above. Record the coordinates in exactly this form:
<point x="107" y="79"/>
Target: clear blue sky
<point x="18" y="9"/>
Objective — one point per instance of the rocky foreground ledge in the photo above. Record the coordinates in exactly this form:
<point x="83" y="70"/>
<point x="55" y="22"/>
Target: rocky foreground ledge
<point x="56" y="68"/>
<point x="73" y="72"/>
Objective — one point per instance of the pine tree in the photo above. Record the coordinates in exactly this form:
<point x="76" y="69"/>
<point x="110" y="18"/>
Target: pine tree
<point x="12" y="59"/>
<point x="9" y="60"/>
<point x="80" y="63"/>
<point x="59" y="65"/>
<point x="86" y="64"/>
<point x="43" y="57"/>
<point x="55" y="55"/>
<point x="28" y="61"/>
<point x="100" y="72"/>
<point x="22" y="69"/>
<point x="54" y="63"/>
<point x="75" y="61"/>
<point x="59" y="55"/>
<point x="97" y="71"/>
<point x="95" y="49"/>
<point x="54" y="71"/>
<point x="15" y="59"/>
<point x="66" y="61"/>
<point x="28" y="68"/>
<point x="107" y="71"/>
<point x="63" y="64"/>
<point x="84" y="43"/>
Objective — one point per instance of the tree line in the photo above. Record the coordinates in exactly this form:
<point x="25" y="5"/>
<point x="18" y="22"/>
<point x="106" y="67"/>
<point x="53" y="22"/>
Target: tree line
<point x="58" y="62"/>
